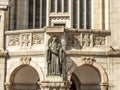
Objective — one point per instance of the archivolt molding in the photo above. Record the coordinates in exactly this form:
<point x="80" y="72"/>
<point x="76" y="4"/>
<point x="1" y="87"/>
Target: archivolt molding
<point x="89" y="61"/>
<point x="25" y="61"/>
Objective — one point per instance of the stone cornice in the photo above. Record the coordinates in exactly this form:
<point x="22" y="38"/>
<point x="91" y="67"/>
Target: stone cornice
<point x="94" y="53"/>
<point x="27" y="53"/>
<point x="94" y="31"/>
<point x="3" y="7"/>
<point x="24" y="31"/>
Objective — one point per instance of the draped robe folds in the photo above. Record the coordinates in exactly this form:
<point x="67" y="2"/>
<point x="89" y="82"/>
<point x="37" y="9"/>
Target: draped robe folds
<point x="54" y="58"/>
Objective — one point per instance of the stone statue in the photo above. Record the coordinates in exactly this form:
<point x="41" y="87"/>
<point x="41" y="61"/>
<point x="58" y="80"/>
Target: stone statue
<point x="55" y="57"/>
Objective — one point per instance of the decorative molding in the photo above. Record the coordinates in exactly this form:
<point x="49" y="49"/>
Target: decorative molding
<point x="59" y="18"/>
<point x="88" y="60"/>
<point x="85" y="39"/>
<point x="26" y="39"/>
<point x="25" y="60"/>
<point x="14" y="40"/>
<point x="99" y="40"/>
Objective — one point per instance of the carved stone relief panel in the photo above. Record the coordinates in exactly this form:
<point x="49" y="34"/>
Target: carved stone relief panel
<point x="99" y="40"/>
<point x="14" y="40"/>
<point x="73" y="41"/>
<point x="87" y="39"/>
<point x="26" y="40"/>
<point x="38" y="38"/>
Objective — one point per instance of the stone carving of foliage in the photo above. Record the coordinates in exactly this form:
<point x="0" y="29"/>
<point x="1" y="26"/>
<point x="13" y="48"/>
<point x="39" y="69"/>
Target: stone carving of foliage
<point x="38" y="39"/>
<point x="99" y="40"/>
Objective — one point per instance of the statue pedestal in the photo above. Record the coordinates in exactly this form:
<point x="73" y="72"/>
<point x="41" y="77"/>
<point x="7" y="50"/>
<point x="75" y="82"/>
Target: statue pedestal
<point x="54" y="83"/>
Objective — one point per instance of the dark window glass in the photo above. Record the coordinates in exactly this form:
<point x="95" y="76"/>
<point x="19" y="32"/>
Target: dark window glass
<point x="52" y="5"/>
<point x="44" y="13"/>
<point x="75" y="8"/>
<point x="59" y="5"/>
<point x="30" y="19"/>
<point x="37" y="14"/>
<point x="65" y="5"/>
<point x="88" y="14"/>
<point x="81" y="14"/>
<point x="12" y="15"/>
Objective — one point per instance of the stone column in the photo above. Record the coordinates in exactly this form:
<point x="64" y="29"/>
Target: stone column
<point x="104" y="86"/>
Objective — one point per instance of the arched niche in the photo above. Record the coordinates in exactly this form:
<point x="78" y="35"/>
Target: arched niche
<point x="94" y="67"/>
<point x="25" y="68"/>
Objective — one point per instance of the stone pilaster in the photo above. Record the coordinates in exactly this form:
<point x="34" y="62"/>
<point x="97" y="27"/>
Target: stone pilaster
<point x="3" y="10"/>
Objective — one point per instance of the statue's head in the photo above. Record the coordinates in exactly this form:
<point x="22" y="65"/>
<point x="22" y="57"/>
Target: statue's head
<point x="54" y="38"/>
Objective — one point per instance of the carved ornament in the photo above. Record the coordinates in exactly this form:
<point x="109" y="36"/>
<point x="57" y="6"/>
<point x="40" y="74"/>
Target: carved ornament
<point x="25" y="60"/>
<point x="88" y="60"/>
<point x="38" y="38"/>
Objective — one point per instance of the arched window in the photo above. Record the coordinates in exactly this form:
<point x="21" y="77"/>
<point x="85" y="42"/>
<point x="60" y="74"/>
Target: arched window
<point x="27" y="14"/>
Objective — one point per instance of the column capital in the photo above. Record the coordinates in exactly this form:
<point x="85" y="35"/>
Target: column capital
<point x="104" y="86"/>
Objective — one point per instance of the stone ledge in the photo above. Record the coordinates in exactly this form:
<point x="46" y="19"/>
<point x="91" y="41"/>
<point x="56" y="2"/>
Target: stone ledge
<point x="3" y="7"/>
<point x="27" y="53"/>
<point x="57" y="84"/>
<point x="57" y="29"/>
<point x="93" y="53"/>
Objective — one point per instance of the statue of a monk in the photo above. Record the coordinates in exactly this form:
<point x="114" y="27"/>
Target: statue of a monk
<point x="55" y="57"/>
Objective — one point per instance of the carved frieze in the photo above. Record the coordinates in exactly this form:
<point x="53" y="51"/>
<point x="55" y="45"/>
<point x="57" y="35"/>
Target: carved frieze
<point x="14" y="40"/>
<point x="26" y="39"/>
<point x="73" y="41"/>
<point x="79" y="40"/>
<point x="86" y="39"/>
<point x="38" y="38"/>
<point x="99" y="40"/>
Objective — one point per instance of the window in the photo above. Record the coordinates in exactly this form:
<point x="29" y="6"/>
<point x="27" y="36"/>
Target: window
<point x="27" y="14"/>
<point x="58" y="6"/>
<point x="65" y="5"/>
<point x="82" y="14"/>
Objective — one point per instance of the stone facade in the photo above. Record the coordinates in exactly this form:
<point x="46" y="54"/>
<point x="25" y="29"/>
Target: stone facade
<point x="92" y="57"/>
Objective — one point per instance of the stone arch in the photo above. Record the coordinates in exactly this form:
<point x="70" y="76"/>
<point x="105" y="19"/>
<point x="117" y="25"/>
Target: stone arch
<point x="94" y="64"/>
<point x="18" y="65"/>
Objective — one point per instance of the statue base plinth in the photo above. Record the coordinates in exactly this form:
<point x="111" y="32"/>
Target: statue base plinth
<point x="54" y="78"/>
<point x="54" y="82"/>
